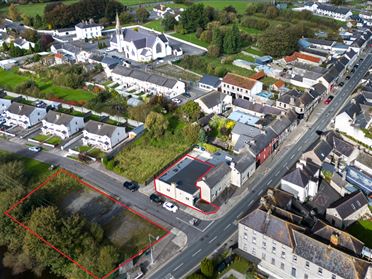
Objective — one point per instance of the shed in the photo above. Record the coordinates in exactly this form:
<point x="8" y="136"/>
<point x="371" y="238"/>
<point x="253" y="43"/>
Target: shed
<point x="263" y="60"/>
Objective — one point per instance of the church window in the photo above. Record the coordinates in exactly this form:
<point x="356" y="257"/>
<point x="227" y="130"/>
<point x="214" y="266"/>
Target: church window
<point x="158" y="48"/>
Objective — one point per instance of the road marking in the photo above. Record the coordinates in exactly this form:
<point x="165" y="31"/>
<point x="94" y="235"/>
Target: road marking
<point x="196" y="253"/>
<point x="292" y="156"/>
<point x="240" y="214"/>
<point x="249" y="204"/>
<point x="178" y="267"/>
<point x="299" y="148"/>
<point x="208" y="226"/>
<point x="277" y="173"/>
<point x="268" y="183"/>
<point x="227" y="227"/>
<point x="213" y="239"/>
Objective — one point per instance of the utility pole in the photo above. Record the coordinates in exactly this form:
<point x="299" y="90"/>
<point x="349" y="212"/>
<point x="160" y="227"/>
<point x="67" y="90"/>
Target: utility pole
<point x="151" y="255"/>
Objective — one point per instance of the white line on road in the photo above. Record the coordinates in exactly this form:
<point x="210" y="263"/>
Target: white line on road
<point x="196" y="253"/>
<point x="178" y="267"/>
<point x="249" y="204"/>
<point x="299" y="148"/>
<point x="208" y="226"/>
<point x="292" y="156"/>
<point x="227" y="227"/>
<point x="213" y="239"/>
<point x="277" y="173"/>
<point x="268" y="183"/>
<point x="240" y="214"/>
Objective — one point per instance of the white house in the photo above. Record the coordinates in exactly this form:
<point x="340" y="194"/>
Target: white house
<point x="146" y="82"/>
<point x="208" y="83"/>
<point x="242" y="168"/>
<point x="4" y="105"/>
<point x="88" y="30"/>
<point x="162" y="10"/>
<point x="23" y="115"/>
<point x="23" y="44"/>
<point x="354" y="117"/>
<point x="303" y="181"/>
<point x="61" y="125"/>
<point x="140" y="45"/>
<point x="102" y="135"/>
<point x="240" y="87"/>
<point x="214" y="102"/>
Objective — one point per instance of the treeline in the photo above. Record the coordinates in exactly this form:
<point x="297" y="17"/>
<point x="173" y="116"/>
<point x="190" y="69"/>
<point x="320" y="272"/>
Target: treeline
<point x="72" y="234"/>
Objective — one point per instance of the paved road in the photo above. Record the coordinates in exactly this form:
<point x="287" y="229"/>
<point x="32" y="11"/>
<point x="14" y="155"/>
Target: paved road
<point x="223" y="228"/>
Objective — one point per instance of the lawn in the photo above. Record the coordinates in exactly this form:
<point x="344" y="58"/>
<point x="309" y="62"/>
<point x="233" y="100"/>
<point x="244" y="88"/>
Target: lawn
<point x="54" y="140"/>
<point x="240" y="6"/>
<point x="190" y="38"/>
<point x="254" y="51"/>
<point x="242" y="266"/>
<point x="155" y="24"/>
<point x="10" y="80"/>
<point x="363" y="231"/>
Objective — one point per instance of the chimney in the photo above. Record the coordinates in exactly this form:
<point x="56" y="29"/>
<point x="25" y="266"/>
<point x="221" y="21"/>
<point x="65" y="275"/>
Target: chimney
<point x="58" y="116"/>
<point x="299" y="166"/>
<point x="263" y="132"/>
<point x="20" y="107"/>
<point x="334" y="239"/>
<point x="174" y="184"/>
<point x="99" y="126"/>
<point x="270" y="193"/>
<point x="353" y="101"/>
<point x="232" y="165"/>
<point x="263" y="202"/>
<point x="291" y="101"/>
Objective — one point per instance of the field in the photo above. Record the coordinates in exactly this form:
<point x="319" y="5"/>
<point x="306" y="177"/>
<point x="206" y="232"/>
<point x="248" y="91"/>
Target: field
<point x="362" y="230"/>
<point x="240" y="6"/>
<point x="190" y="38"/>
<point x="122" y="227"/>
<point x="10" y="80"/>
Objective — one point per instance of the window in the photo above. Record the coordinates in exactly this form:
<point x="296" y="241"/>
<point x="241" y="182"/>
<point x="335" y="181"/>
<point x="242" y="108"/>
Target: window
<point x="282" y="266"/>
<point x="283" y="255"/>
<point x="306" y="276"/>
<point x="294" y="259"/>
<point x="293" y="272"/>
<point x="245" y="236"/>
<point x="272" y="261"/>
<point x="264" y="245"/>
<point x="187" y="199"/>
<point x="254" y="240"/>
<point x="307" y="264"/>
<point x="273" y="250"/>
<point x="253" y="251"/>
<point x="333" y="276"/>
<point x="320" y="271"/>
<point x="263" y="256"/>
<point x="158" y="48"/>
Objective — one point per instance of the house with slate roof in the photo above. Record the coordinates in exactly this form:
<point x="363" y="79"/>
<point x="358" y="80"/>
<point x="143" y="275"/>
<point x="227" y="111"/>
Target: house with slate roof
<point x="88" y="30"/>
<point x="140" y="45"/>
<point x="61" y="125"/>
<point x="23" y="43"/>
<point x="284" y="124"/>
<point x="208" y="83"/>
<point x="286" y="244"/>
<point x="214" y="102"/>
<point x="347" y="210"/>
<point x="23" y="115"/>
<point x="102" y="135"/>
<point x="354" y="118"/>
<point x="4" y="104"/>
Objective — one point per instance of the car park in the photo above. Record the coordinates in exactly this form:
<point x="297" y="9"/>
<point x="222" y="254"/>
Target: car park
<point x="170" y="207"/>
<point x="328" y="100"/>
<point x="156" y="199"/>
<point x="35" y="149"/>
<point x="131" y="186"/>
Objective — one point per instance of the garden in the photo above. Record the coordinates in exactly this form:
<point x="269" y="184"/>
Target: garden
<point x="362" y="229"/>
<point x="50" y="139"/>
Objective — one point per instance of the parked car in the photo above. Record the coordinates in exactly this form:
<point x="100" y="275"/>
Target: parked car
<point x="170" y="207"/>
<point x="341" y="84"/>
<point x="41" y="104"/>
<point x="347" y="78"/>
<point x="187" y="95"/>
<point x="328" y="100"/>
<point x="176" y="100"/>
<point x="35" y="148"/>
<point x="194" y="221"/>
<point x="131" y="186"/>
<point x="156" y="199"/>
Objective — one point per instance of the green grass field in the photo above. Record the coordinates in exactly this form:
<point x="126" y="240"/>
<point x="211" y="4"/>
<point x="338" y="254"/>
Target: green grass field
<point x="190" y="38"/>
<point x="155" y="24"/>
<point x="240" y="6"/>
<point x="363" y="231"/>
<point x="10" y="80"/>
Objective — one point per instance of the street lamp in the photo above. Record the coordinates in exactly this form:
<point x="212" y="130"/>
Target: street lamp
<point x="151" y="255"/>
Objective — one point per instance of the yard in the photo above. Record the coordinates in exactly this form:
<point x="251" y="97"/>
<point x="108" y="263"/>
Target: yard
<point x="90" y="151"/>
<point x="54" y="140"/>
<point x="363" y="231"/>
<point x="10" y="80"/>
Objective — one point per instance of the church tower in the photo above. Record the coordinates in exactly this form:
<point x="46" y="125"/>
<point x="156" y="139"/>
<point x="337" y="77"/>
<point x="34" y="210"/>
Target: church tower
<point x="119" y="35"/>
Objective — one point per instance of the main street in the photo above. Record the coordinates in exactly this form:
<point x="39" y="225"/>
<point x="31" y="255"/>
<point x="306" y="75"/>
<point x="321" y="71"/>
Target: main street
<point x="223" y="228"/>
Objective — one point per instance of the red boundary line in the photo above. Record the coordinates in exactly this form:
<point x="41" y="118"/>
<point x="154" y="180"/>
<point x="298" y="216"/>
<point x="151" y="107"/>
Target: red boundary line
<point x="102" y="193"/>
<point x="201" y="198"/>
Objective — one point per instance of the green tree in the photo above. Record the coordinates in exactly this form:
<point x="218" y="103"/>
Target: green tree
<point x="207" y="267"/>
<point x="192" y="18"/>
<point x="191" y="132"/>
<point x="202" y="137"/>
<point x="214" y="50"/>
<point x="231" y="41"/>
<point x="271" y="12"/>
<point x="217" y="38"/>
<point x="107" y="259"/>
<point x="142" y="14"/>
<point x="190" y="111"/>
<point x="13" y="13"/>
<point x="156" y="124"/>
<point x="38" y="21"/>
<point x="126" y="17"/>
<point x="169" y="22"/>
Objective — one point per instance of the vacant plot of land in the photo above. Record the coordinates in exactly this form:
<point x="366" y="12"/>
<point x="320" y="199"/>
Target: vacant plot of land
<point x="190" y="38"/>
<point x="10" y="80"/>
<point x="363" y="231"/>
<point x="174" y="71"/>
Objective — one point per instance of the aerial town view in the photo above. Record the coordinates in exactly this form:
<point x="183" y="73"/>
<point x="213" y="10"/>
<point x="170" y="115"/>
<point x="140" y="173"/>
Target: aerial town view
<point x="185" y="139"/>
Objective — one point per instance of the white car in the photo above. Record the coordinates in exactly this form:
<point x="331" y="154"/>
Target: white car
<point x="176" y="100"/>
<point x="35" y="148"/>
<point x="170" y="206"/>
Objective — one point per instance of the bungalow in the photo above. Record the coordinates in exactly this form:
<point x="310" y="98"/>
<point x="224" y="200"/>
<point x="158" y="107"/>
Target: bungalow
<point x="347" y="210"/>
<point x="336" y="12"/>
<point x="278" y="85"/>
<point x="303" y="58"/>
<point x="102" y="135"/>
<point x="88" y="30"/>
<point x="303" y="181"/>
<point x="321" y="44"/>
<point x="214" y="102"/>
<point x="61" y="125"/>
<point x="240" y="87"/>
<point x="146" y="82"/>
<point x="23" y="44"/>
<point x="209" y="82"/>
<point x="23" y="115"/>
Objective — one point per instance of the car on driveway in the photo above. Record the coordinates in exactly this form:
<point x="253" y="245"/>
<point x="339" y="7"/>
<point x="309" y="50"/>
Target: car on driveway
<point x="328" y="100"/>
<point x="187" y="95"/>
<point x="131" y="186"/>
<point x="170" y="207"/>
<point x="35" y="148"/>
<point x="176" y="101"/>
<point x="156" y="199"/>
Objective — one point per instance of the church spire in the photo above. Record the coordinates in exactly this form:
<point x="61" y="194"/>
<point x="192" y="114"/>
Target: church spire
<point x="118" y="27"/>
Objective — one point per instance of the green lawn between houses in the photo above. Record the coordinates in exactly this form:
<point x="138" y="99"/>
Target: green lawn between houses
<point x="363" y="231"/>
<point x="10" y="80"/>
<point x="54" y="140"/>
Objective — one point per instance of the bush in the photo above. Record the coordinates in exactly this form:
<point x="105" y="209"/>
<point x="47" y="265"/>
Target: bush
<point x="259" y="24"/>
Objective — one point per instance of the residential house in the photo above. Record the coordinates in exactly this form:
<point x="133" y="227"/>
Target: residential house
<point x="286" y="247"/>
<point x="278" y="85"/>
<point x="321" y="44"/>
<point x="321" y="54"/>
<point x="255" y="108"/>
<point x="354" y="118"/>
<point x="61" y="125"/>
<point x="64" y="32"/>
<point x="139" y="45"/>
<point x="330" y="78"/>
<point x="162" y="11"/>
<point x="23" y="115"/>
<point x="302" y="58"/>
<point x="348" y="210"/>
<point x="284" y="124"/>
<point x="102" y="135"/>
<point x="4" y="105"/>
<point x="240" y="87"/>
<point x="23" y="44"/>
<point x="88" y="30"/>
<point x="75" y="51"/>
<point x="263" y="145"/>
<point x="243" y="134"/>
<point x="242" y="168"/>
<point x="147" y="82"/>
<point x="108" y="63"/>
<point x="214" y="102"/>
<point x="208" y="82"/>
<point x="335" y="12"/>
<point x="303" y="181"/>
<point x="364" y="162"/>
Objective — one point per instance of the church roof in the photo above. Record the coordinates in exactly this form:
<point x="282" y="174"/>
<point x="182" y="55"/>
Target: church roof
<point x="142" y="39"/>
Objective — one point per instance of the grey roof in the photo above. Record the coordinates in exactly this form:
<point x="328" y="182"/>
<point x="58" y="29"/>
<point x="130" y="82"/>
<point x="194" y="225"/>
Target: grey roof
<point x="349" y="204"/>
<point x="300" y="99"/>
<point x="301" y="177"/>
<point x="320" y="42"/>
<point x="216" y="174"/>
<point x="86" y="25"/>
<point x="141" y="39"/>
<point x="262" y="140"/>
<point x="257" y="107"/>
<point x="331" y="75"/>
<point x="247" y="130"/>
<point x="325" y="196"/>
<point x="334" y="9"/>
<point x="283" y="122"/>
<point x="315" y="52"/>
<point x="319" y="88"/>
<point x="358" y="109"/>
<point x="143" y="76"/>
<point x="99" y="128"/>
<point x="210" y="80"/>
<point x="59" y="118"/>
<point x="212" y="99"/>
<point x="365" y="159"/>
<point x="21" y="109"/>
<point x="186" y="174"/>
<point x="244" y="161"/>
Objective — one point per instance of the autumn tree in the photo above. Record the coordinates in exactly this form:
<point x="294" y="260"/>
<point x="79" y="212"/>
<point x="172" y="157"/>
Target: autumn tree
<point x="13" y="13"/>
<point x="156" y="124"/>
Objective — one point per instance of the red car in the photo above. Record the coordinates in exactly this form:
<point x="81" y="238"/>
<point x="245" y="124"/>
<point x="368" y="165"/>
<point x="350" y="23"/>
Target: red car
<point x="328" y="100"/>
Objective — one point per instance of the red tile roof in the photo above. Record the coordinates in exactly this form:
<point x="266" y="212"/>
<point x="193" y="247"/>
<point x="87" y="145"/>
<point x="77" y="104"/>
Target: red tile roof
<point x="258" y="75"/>
<point x="58" y="55"/>
<point x="239" y="81"/>
<point x="297" y="55"/>
<point x="279" y="83"/>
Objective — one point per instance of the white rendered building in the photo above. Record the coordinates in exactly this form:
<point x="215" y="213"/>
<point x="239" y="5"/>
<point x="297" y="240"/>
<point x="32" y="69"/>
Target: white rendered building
<point x="23" y="115"/>
<point x="61" y="125"/>
<point x="88" y="30"/>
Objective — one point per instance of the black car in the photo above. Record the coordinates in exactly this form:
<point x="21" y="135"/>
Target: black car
<point x="347" y="78"/>
<point x="341" y="84"/>
<point x="131" y="186"/>
<point x="156" y="199"/>
<point x="187" y="95"/>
